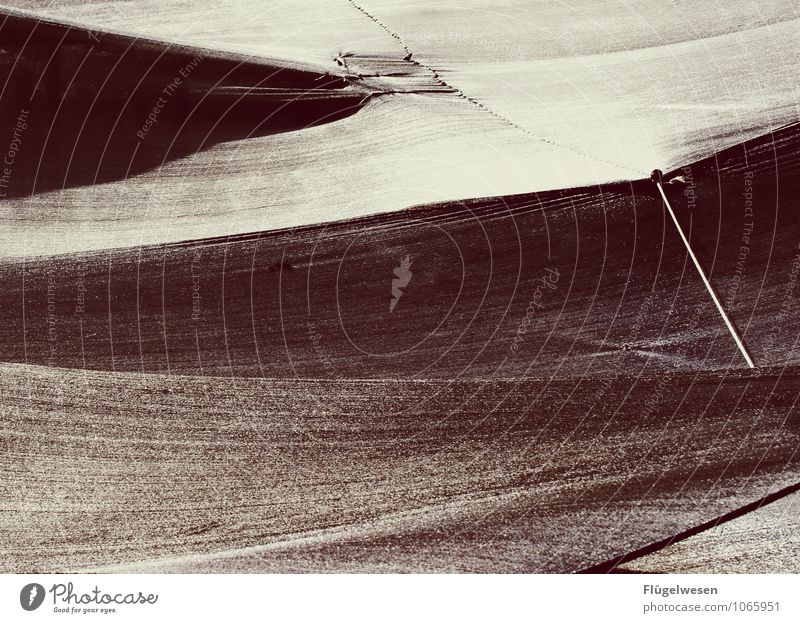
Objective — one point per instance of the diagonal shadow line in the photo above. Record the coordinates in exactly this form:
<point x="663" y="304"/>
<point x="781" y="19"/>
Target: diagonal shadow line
<point x="610" y="566"/>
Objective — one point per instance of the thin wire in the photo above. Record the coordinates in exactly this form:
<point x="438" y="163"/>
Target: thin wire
<point x="705" y="279"/>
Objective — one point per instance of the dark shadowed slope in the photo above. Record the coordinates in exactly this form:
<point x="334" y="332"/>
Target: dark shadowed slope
<point x="619" y="292"/>
<point x="97" y="107"/>
<point x="104" y="469"/>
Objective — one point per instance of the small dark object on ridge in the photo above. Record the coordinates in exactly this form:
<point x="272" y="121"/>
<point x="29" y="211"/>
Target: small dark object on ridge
<point x="657" y="176"/>
<point x="278" y="266"/>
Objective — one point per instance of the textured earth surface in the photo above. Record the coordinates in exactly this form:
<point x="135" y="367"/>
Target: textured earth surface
<point x="103" y="469"/>
<point x="346" y="304"/>
<point x="496" y="98"/>
<point x="763" y="541"/>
